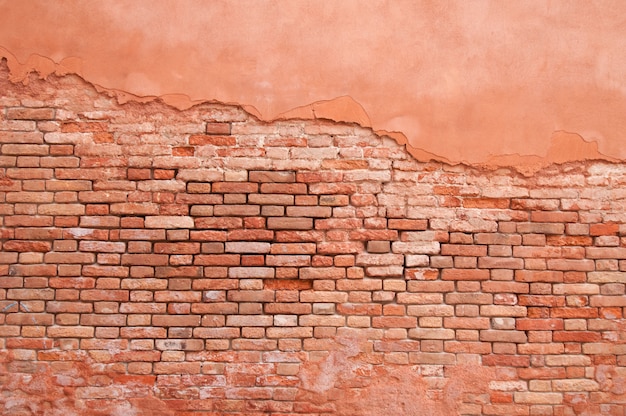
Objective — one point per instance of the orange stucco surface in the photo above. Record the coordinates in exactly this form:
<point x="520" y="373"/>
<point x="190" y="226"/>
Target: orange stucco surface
<point x="480" y="82"/>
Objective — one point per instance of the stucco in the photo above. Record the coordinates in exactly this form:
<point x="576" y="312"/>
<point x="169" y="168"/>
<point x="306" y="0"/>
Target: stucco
<point x="481" y="82"/>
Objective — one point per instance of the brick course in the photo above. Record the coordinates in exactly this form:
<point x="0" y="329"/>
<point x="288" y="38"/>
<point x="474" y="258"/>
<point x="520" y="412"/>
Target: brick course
<point x="202" y="262"/>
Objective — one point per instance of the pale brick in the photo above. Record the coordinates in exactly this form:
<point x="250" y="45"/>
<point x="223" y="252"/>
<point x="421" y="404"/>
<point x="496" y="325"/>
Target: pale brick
<point x="247" y="247"/>
<point x="169" y="222"/>
<point x="379" y="259"/>
<point x="537" y="398"/>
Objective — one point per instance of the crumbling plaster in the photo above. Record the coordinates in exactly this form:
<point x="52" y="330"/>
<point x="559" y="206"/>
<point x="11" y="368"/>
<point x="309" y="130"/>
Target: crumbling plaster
<point x="481" y="82"/>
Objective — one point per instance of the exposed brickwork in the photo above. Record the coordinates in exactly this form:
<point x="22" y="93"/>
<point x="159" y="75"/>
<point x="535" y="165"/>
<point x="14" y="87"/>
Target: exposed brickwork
<point x="159" y="262"/>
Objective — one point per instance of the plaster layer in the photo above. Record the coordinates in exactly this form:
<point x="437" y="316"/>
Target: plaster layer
<point x="483" y="82"/>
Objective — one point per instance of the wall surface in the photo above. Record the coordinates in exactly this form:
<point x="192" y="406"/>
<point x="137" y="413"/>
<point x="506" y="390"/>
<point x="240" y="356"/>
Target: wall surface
<point x="483" y="82"/>
<point x="164" y="262"/>
<point x="312" y="208"/>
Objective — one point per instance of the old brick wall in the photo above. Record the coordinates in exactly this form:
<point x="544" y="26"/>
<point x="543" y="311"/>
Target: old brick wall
<point x="164" y="262"/>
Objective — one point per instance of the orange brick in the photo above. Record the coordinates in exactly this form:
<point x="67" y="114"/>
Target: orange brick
<point x="404" y="224"/>
<point x="183" y="151"/>
<point x="501" y="203"/>
<point x="289" y="223"/>
<point x="603" y="229"/>
<point x="540" y="228"/>
<point x="554" y="216"/>
<point x="581" y="240"/>
<point x="235" y="187"/>
<point x="218" y="128"/>
<point x="22" y="245"/>
<point x="506" y="360"/>
<point x="212" y="140"/>
<point x="465" y="274"/>
<point x="221" y="223"/>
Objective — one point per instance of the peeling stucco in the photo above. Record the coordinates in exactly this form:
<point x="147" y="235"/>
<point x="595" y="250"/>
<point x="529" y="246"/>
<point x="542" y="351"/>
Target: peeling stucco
<point x="486" y="83"/>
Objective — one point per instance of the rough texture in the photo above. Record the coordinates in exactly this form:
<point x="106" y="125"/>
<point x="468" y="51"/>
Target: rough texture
<point x="484" y="81"/>
<point x="164" y="262"/>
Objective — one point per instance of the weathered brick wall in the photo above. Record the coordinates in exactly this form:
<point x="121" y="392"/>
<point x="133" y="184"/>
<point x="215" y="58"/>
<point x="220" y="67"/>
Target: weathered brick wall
<point x="161" y="262"/>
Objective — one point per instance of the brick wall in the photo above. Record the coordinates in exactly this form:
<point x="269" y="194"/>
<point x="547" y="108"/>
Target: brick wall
<point x="164" y="262"/>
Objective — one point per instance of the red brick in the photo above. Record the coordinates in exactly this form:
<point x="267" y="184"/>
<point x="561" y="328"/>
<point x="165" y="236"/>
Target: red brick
<point x="21" y="137"/>
<point x="554" y="216"/>
<point x="25" y="150"/>
<point x="30" y="221"/>
<point x="584" y="265"/>
<point x="183" y="151"/>
<point x="235" y="187"/>
<point x="218" y="128"/>
<point x="22" y="245"/>
<point x="221" y="223"/>
<point x="26" y="174"/>
<point x="500" y="263"/>
<point x="177" y="296"/>
<point x="554" y="240"/>
<point x="606" y="252"/>
<point x="102" y="246"/>
<point x="273" y="176"/>
<point x="322" y="273"/>
<point x="217" y="259"/>
<point x="465" y="274"/>
<point x="338" y="223"/>
<point x="538" y="276"/>
<point x="32" y="270"/>
<point x="585" y="313"/>
<point x="394" y="322"/>
<point x="83" y="127"/>
<point x="541" y="300"/>
<point x="345" y="164"/>
<point x="105" y="295"/>
<point x="603" y="229"/>
<point x="251" y="272"/>
<point x="466" y="323"/>
<point x="30" y="113"/>
<point x="145" y="259"/>
<point x="176" y="320"/>
<point x="506" y="360"/>
<point x="330" y="188"/>
<point x="504" y="287"/>
<point x="576" y="336"/>
<point x="544" y="373"/>
<point x="410" y="225"/>
<point x="271" y="199"/>
<point x="540" y="228"/>
<point x="539" y="324"/>
<point x="340" y="247"/>
<point x="336" y="200"/>
<point x="314" y="212"/>
<point x="463" y="250"/>
<point x="537" y="252"/>
<point x="288" y="260"/>
<point x="284" y="188"/>
<point x="289" y="223"/>
<point x="70" y="332"/>
<point x="177" y="248"/>
<point x="237" y="210"/>
<point x="103" y="320"/>
<point x="214" y="236"/>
